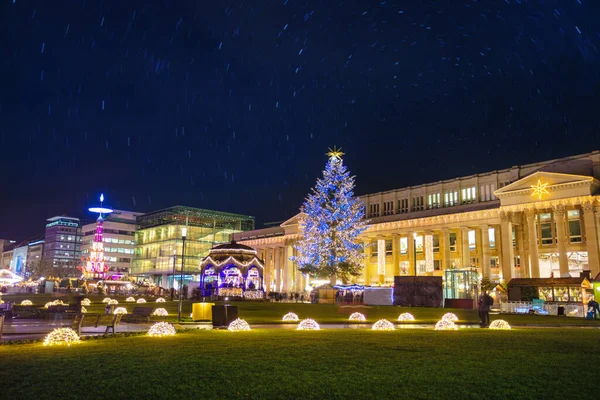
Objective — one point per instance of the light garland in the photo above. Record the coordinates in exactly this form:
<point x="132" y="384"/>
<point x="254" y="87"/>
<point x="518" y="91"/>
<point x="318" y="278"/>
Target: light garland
<point x="230" y="292"/>
<point x="160" y="312"/>
<point x="231" y="260"/>
<point x="55" y="303"/>
<point x="357" y="317"/>
<point x="113" y="302"/>
<point x="161" y="300"/>
<point x="406" y="317"/>
<point x="254" y="295"/>
<point x="61" y="336"/>
<point x="383" y="325"/>
<point x="140" y="301"/>
<point x="83" y="310"/>
<point x="130" y="300"/>
<point x="290" y="317"/>
<point x="26" y="303"/>
<point x="450" y="317"/>
<point x="500" y="324"/>
<point x="238" y="325"/>
<point x="445" y="325"/>
<point x="120" y="310"/>
<point x="308" y="325"/>
<point x="161" y="329"/>
<point x="86" y="302"/>
<point x="106" y="300"/>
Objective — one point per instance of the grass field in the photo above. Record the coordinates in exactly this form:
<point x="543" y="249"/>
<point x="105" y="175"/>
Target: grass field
<point x="327" y="364"/>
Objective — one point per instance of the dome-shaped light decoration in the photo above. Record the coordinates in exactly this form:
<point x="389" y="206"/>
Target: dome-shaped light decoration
<point x="160" y="312"/>
<point x="26" y="303"/>
<point x="383" y="325"/>
<point x="54" y="303"/>
<point x="120" y="310"/>
<point x="130" y="300"/>
<point x="308" y="325"/>
<point x="357" y="317"/>
<point x="238" y="325"/>
<point x="83" y="310"/>
<point x="450" y="317"/>
<point x="161" y="329"/>
<point x="140" y="300"/>
<point x="290" y="317"/>
<point x="404" y="317"/>
<point x="500" y="324"/>
<point x="445" y="325"/>
<point x="86" y="302"/>
<point x="106" y="300"/>
<point x="61" y="336"/>
<point x="113" y="302"/>
<point x="161" y="300"/>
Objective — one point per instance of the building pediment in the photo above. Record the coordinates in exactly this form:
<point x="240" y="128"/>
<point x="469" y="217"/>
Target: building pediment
<point x="543" y="186"/>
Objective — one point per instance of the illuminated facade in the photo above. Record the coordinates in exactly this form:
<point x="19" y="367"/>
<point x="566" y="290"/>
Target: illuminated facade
<point x="159" y="244"/>
<point x="534" y="220"/>
<point x="62" y="247"/>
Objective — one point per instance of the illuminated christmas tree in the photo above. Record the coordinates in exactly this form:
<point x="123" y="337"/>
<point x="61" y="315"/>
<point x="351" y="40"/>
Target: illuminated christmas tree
<point x="332" y="219"/>
<point x="95" y="266"/>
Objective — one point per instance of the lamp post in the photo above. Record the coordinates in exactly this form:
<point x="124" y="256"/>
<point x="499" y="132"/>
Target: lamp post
<point x="173" y="284"/>
<point x="183" y="235"/>
<point x="415" y="268"/>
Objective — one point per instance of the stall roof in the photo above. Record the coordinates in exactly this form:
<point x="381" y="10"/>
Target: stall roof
<point x="579" y="281"/>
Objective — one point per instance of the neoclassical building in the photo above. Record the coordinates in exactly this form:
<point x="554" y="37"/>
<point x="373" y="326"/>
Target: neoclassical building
<point x="535" y="220"/>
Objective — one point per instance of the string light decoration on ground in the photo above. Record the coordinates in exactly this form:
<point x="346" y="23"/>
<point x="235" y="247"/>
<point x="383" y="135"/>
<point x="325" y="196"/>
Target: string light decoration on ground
<point x="161" y="300"/>
<point x="404" y="317"/>
<point x="160" y="312"/>
<point x="26" y="303"/>
<point x="130" y="300"/>
<point x="450" y="317"/>
<point x="61" y="336"/>
<point x="308" y="325"/>
<point x="54" y="303"/>
<point x="106" y="300"/>
<point x="290" y="317"/>
<point x="83" y="310"/>
<point x="383" y="325"/>
<point x="140" y="301"/>
<point x="120" y="310"/>
<point x="445" y="325"/>
<point x="112" y="302"/>
<point x="161" y="329"/>
<point x="86" y="302"/>
<point x="500" y="324"/>
<point x="357" y="317"/>
<point x="238" y="325"/>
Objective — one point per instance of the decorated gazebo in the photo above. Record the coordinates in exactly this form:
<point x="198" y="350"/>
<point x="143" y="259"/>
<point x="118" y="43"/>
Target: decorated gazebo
<point x="232" y="270"/>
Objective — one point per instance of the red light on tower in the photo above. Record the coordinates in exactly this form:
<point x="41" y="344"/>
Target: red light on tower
<point x="96" y="265"/>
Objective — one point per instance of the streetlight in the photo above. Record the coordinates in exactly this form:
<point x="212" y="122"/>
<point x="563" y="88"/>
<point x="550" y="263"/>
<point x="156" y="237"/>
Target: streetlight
<point x="415" y="269"/>
<point x="183" y="235"/>
<point x="173" y="284"/>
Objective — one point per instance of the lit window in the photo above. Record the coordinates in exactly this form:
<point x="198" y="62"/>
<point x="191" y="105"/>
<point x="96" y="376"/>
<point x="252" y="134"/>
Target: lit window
<point x="403" y="245"/>
<point x="574" y="226"/>
<point x="492" y="238"/>
<point x="388" y="247"/>
<point x="419" y="244"/>
<point x="436" y="243"/>
<point x="452" y="239"/>
<point x="545" y="228"/>
<point x="471" y="236"/>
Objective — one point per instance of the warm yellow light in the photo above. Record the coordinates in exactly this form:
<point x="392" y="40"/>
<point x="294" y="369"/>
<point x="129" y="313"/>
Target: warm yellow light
<point x="83" y="310"/>
<point x="405" y="317"/>
<point x="130" y="299"/>
<point x="383" y="325"/>
<point x="120" y="310"/>
<point x="140" y="300"/>
<point x="238" y="325"/>
<point x="335" y="153"/>
<point x="54" y="303"/>
<point x="161" y="329"/>
<point x="308" y="325"/>
<point x="160" y="312"/>
<point x="357" y="317"/>
<point x="500" y="324"/>
<point x="113" y="302"/>
<point x="290" y="317"/>
<point x="450" y="317"/>
<point x="26" y="303"/>
<point x="61" y="336"/>
<point x="160" y="300"/>
<point x="106" y="300"/>
<point x="539" y="189"/>
<point x="446" y="325"/>
<point x="86" y="302"/>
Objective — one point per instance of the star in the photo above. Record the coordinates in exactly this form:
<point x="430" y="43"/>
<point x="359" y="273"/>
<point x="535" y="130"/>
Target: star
<point x="539" y="189"/>
<point x="335" y="153"/>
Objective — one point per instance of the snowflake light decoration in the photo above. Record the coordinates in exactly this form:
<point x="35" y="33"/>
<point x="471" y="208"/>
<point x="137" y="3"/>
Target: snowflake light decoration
<point x="290" y="317"/>
<point x="383" y="325"/>
<point x="445" y="325"/>
<point x="450" y="317"/>
<point x="500" y="324"/>
<point x="160" y="312"/>
<point x="26" y="303"/>
<point x="308" y="325"/>
<point x="61" y="336"/>
<point x="161" y="300"/>
<point x="539" y="189"/>
<point x="120" y="310"/>
<point x="130" y="300"/>
<point x="238" y="325"/>
<point x="357" y="317"/>
<point x="140" y="300"/>
<point x="406" y="317"/>
<point x="86" y="302"/>
<point x="161" y="329"/>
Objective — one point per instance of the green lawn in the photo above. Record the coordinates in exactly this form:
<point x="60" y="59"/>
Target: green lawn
<point x="327" y="364"/>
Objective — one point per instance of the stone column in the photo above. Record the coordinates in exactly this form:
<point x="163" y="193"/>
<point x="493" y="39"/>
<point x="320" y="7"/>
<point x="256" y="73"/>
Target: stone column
<point x="485" y="251"/>
<point x="520" y="236"/>
<point x="465" y="253"/>
<point x="412" y="254"/>
<point x="288" y="269"/>
<point x="508" y="259"/>
<point x="367" y="262"/>
<point x="591" y="237"/>
<point x="428" y="239"/>
<point x="268" y="274"/>
<point x="534" y="257"/>
<point x="381" y="260"/>
<point x="445" y="244"/>
<point x="395" y="255"/>
<point x="277" y="262"/>
<point x="561" y="237"/>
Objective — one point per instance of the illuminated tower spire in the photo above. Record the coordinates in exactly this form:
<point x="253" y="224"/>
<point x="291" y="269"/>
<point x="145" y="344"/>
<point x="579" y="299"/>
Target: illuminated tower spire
<point x="96" y="266"/>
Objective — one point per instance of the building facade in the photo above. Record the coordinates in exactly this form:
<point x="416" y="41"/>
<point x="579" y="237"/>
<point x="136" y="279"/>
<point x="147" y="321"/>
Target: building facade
<point x="536" y="220"/>
<point x="118" y="235"/>
<point x="159" y="241"/>
<point x="62" y="247"/>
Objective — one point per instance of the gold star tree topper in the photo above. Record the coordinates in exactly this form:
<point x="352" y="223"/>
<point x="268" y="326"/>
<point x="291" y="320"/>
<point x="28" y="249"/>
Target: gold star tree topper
<point x="335" y="153"/>
<point x="539" y="189"/>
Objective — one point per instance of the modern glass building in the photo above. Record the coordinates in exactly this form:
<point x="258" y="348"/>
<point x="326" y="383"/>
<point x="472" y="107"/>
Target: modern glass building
<point x="63" y="242"/>
<point x="159" y="244"/>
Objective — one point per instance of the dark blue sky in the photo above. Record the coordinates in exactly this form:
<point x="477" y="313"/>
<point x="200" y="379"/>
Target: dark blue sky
<point x="232" y="105"/>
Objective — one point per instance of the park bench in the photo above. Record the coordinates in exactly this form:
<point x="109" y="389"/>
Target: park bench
<point x="70" y="310"/>
<point x="6" y="310"/>
<point x="110" y="321"/>
<point x="139" y="314"/>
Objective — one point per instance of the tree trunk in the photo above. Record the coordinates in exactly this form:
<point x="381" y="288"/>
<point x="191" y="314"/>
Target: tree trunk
<point x="333" y="280"/>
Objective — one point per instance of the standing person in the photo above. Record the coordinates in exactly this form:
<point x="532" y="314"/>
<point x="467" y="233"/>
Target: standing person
<point x="593" y="307"/>
<point x="484" y="304"/>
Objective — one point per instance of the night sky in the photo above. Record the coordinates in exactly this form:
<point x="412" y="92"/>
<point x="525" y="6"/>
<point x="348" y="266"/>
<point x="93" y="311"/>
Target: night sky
<point x="232" y="105"/>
